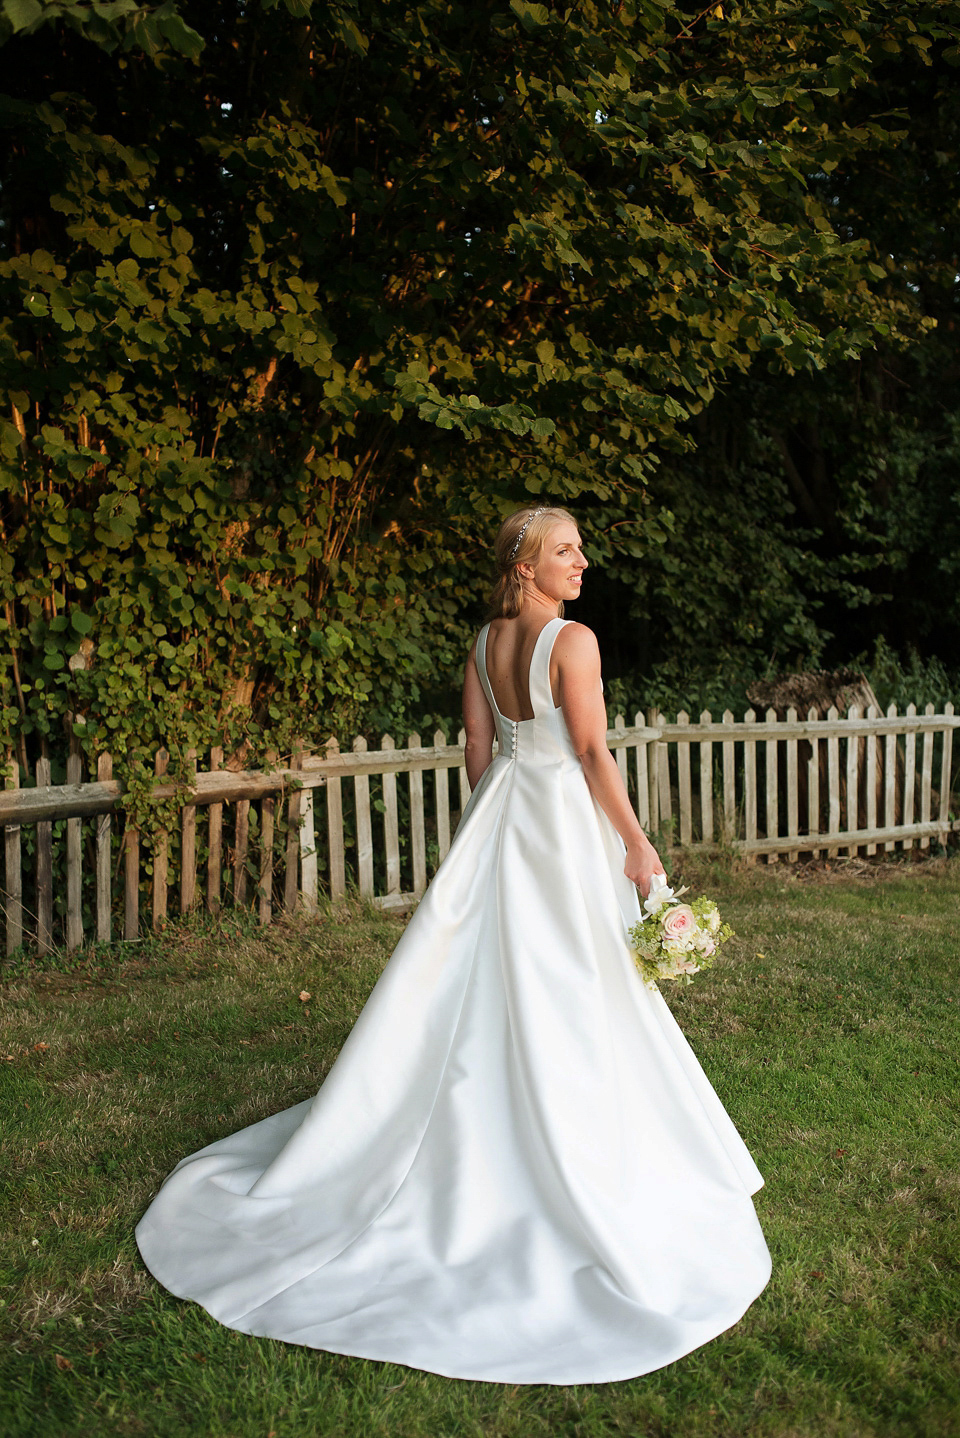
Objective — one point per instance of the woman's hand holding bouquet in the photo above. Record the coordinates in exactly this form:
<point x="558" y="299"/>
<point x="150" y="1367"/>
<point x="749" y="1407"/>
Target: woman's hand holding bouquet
<point x="675" y="941"/>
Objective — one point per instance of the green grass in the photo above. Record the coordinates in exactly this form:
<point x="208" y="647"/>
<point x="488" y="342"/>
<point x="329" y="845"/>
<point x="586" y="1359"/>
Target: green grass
<point x="835" y="1052"/>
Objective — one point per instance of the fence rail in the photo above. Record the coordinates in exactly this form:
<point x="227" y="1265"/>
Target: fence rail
<point x="275" y="838"/>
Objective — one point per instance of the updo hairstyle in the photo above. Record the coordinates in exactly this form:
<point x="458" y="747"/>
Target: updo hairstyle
<point x="506" y="601"/>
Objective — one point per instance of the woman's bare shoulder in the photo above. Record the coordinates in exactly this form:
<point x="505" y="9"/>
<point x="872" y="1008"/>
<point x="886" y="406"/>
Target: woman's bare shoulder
<point x="577" y="643"/>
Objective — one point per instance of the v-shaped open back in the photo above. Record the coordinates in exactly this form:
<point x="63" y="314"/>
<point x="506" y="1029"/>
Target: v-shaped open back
<point x="544" y="735"/>
<point x="539" y="688"/>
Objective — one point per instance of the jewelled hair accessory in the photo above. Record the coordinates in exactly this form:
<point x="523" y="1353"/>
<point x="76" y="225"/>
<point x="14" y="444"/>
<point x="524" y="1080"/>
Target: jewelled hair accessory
<point x="523" y="529"/>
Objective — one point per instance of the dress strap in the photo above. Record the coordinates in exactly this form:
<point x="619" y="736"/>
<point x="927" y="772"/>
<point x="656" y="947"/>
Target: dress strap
<point x="482" y="669"/>
<point x="541" y="694"/>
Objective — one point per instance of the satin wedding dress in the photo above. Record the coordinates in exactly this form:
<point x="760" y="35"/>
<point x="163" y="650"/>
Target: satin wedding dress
<point x="516" y="1169"/>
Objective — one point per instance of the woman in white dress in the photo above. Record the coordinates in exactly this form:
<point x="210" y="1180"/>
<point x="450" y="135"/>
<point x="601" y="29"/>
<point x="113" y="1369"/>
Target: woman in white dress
<point x="516" y="1170"/>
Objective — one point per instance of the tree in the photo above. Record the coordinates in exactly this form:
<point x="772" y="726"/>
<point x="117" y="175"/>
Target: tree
<point x="294" y="313"/>
<point x="821" y="507"/>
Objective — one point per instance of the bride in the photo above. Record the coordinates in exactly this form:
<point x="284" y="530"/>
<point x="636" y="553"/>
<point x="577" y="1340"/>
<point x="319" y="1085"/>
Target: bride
<point x="516" y="1170"/>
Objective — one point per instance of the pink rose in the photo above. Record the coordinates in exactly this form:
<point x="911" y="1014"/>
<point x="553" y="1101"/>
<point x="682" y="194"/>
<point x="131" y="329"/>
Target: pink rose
<point x="678" y="921"/>
<point x="707" y="948"/>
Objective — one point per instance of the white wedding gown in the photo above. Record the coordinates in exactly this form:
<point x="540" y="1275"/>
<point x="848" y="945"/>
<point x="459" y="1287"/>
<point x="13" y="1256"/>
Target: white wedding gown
<point x="516" y="1169"/>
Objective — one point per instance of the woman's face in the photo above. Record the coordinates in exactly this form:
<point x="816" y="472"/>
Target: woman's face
<point x="557" y="573"/>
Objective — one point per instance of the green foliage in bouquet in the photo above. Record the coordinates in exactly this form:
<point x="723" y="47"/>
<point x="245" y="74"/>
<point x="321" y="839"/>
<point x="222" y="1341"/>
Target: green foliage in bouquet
<point x="676" y="941"/>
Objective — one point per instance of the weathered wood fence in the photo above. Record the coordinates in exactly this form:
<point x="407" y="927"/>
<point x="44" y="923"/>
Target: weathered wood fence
<point x="278" y="838"/>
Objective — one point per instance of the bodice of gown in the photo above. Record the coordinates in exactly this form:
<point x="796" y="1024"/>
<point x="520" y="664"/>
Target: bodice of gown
<point x="544" y="739"/>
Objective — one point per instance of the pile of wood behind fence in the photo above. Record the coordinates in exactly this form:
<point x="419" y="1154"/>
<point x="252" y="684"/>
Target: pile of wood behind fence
<point x="761" y="787"/>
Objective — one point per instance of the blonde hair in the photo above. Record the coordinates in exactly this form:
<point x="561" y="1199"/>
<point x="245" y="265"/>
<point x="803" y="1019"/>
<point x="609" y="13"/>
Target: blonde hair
<point x="506" y="601"/>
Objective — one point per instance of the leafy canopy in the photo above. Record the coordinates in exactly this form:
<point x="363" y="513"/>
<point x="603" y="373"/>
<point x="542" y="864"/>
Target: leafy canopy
<point x="299" y="299"/>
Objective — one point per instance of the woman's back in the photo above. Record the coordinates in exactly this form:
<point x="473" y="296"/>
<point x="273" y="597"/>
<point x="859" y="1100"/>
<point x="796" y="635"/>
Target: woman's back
<point x="509" y="653"/>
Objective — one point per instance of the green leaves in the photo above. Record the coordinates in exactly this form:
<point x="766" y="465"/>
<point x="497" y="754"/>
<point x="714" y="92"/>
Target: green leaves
<point x="299" y="333"/>
<point x="109" y="23"/>
<point x="22" y="13"/>
<point x="177" y="32"/>
<point x="531" y="17"/>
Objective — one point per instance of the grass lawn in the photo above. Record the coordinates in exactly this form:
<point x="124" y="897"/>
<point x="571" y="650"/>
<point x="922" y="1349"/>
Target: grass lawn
<point x="830" y="1034"/>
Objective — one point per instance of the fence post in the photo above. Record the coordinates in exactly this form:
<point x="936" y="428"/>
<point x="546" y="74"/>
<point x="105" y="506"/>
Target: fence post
<point x="418" y="841"/>
<point x="871" y="778"/>
<point x="441" y="776"/>
<point x="74" y="928"/>
<point x="663" y="780"/>
<point x="946" y="776"/>
<point x="267" y="807"/>
<point x="793" y="792"/>
<point x="772" y="777"/>
<point x="833" y="780"/>
<point x="131" y="881"/>
<point x="188" y="842"/>
<point x="160" y="853"/>
<point x="241" y="844"/>
<point x="684" y="790"/>
<point x="44" y="868"/>
<point x="215" y="840"/>
<point x="890" y="780"/>
<point x="653" y="770"/>
<point x="361" y="799"/>
<point x="910" y="774"/>
<point x="853" y="779"/>
<point x="729" y="786"/>
<point x="391" y="831"/>
<point x="13" y="897"/>
<point x="308" y="850"/>
<point x="641" y="758"/>
<point x="706" y="782"/>
<point x="74" y="913"/>
<point x="338" y="875"/>
<point x="104" y="824"/>
<point x="619" y="724"/>
<point x="750" y="784"/>
<point x="813" y="786"/>
<point x="291" y="873"/>
<point x="926" y="779"/>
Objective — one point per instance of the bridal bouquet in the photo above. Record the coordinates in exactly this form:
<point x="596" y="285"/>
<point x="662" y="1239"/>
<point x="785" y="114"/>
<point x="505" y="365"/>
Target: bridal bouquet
<point x="674" y="940"/>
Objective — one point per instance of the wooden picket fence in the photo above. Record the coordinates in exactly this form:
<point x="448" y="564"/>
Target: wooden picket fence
<point x="281" y="837"/>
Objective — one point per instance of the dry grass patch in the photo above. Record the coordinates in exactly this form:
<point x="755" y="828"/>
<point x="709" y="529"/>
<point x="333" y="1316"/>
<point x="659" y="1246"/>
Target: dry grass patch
<point x="109" y="1292"/>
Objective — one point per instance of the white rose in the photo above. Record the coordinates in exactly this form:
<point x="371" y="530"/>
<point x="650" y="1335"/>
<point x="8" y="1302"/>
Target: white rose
<point x="660" y="894"/>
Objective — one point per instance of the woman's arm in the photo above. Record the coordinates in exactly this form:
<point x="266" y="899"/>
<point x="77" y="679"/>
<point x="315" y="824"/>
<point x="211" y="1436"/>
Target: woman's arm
<point x="477" y="721"/>
<point x="581" y="698"/>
